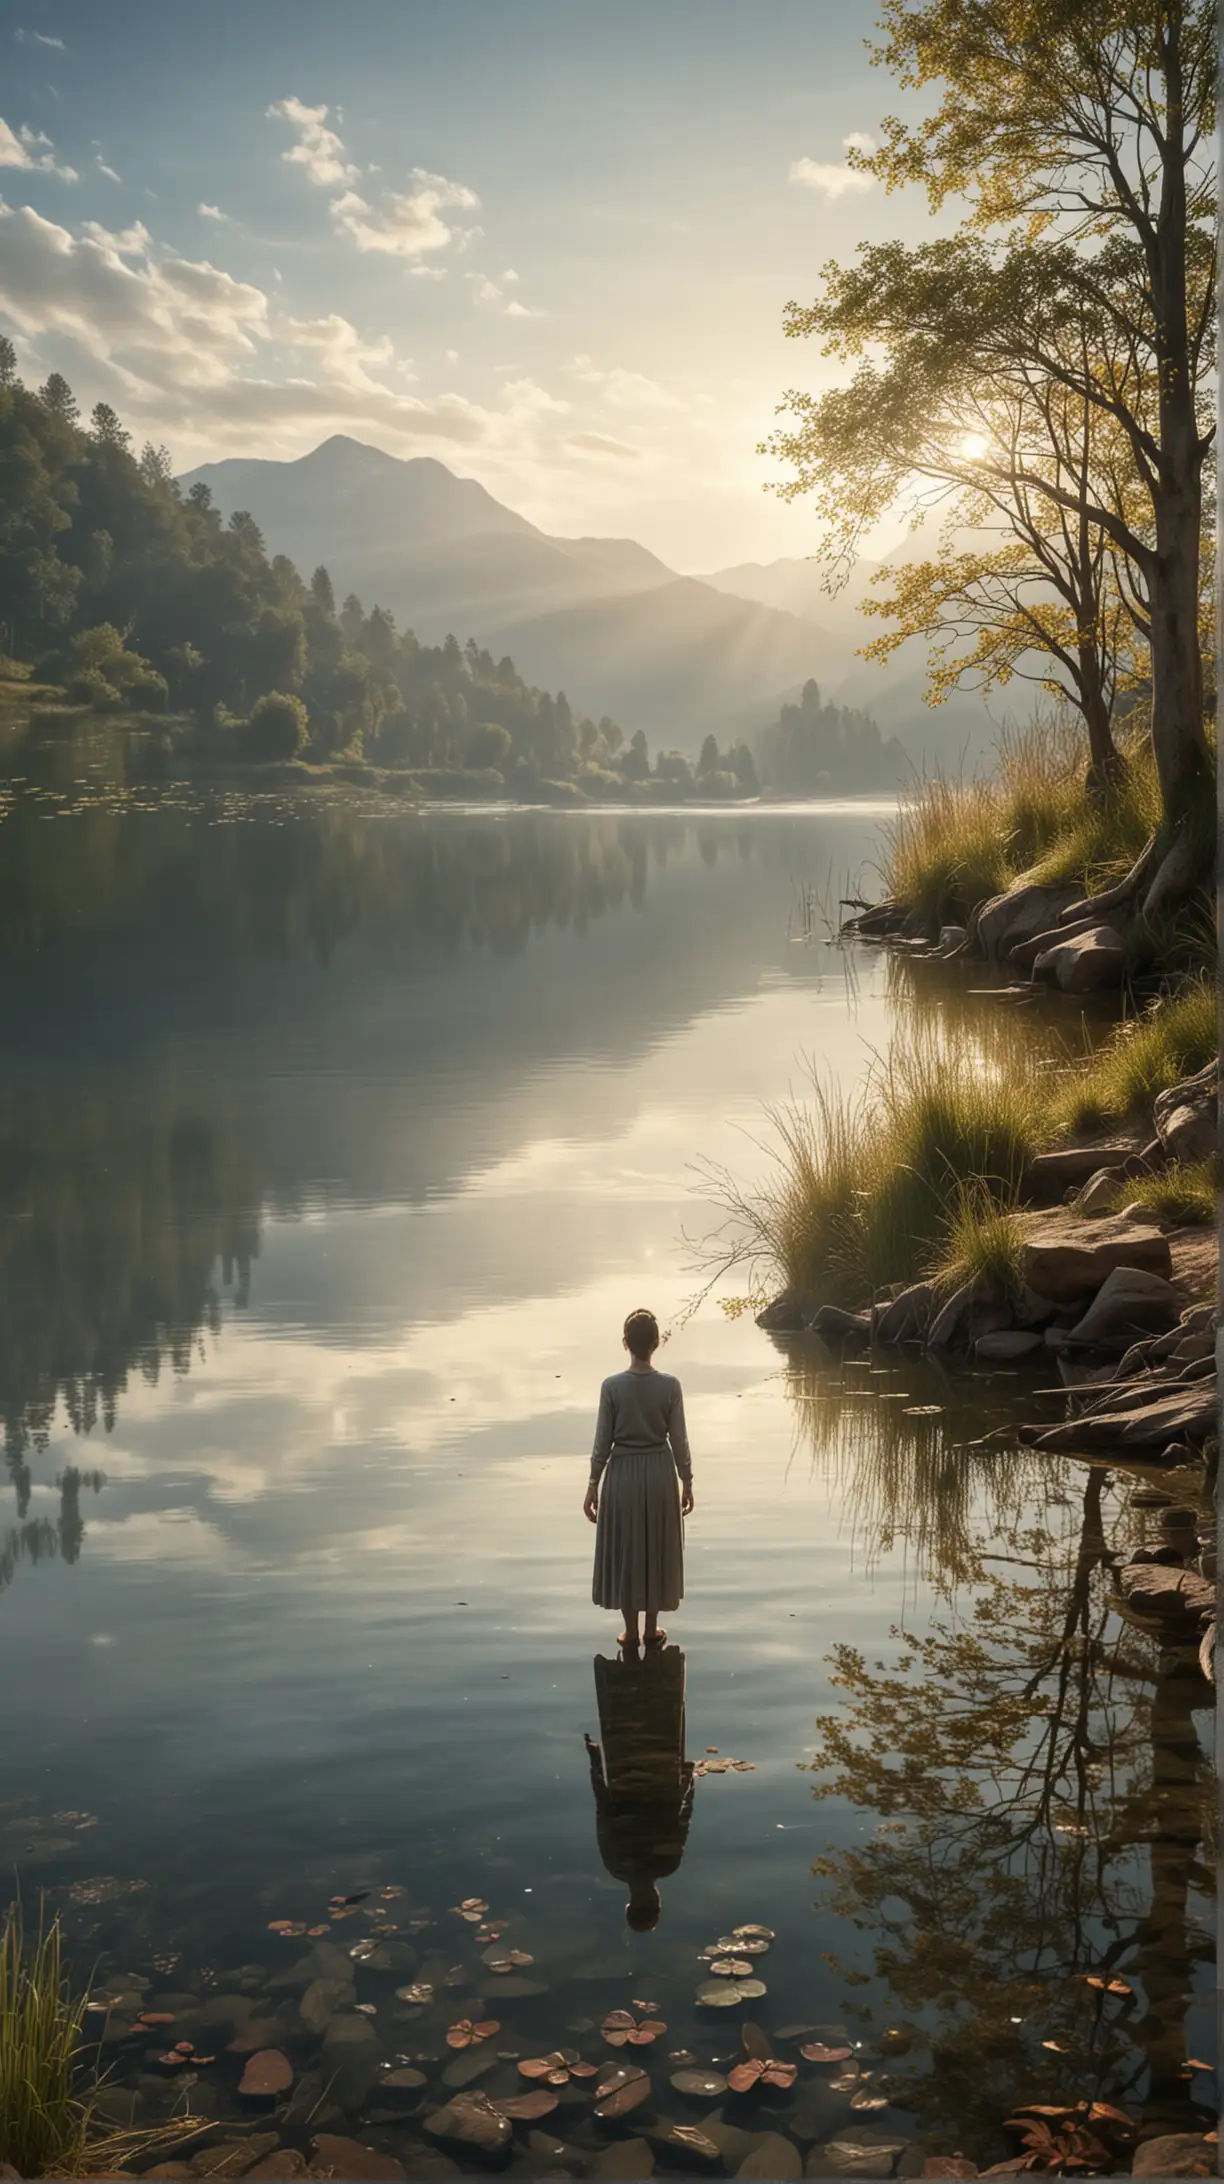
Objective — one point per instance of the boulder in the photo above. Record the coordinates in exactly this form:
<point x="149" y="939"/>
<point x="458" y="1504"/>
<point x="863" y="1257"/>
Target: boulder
<point x="1189" y="1414"/>
<point x="473" y="2063"/>
<point x="858" y="2152"/>
<point x="1091" y="960"/>
<point x="781" y="1317"/>
<point x="1021" y="912"/>
<point x="267" y="2074"/>
<point x="1192" y="1349"/>
<point x="952" y="936"/>
<point x="685" y="2142"/>
<point x="905" y="1318"/>
<point x="1026" y="952"/>
<point x="1129" y="1304"/>
<point x="1051" y="1175"/>
<point x="833" y="1324"/>
<point x="1007" y="1346"/>
<point x="970" y="1311"/>
<point x="1181" y="2153"/>
<point x="1100" y="1193"/>
<point x="472" y="2122"/>
<point x="1067" y="1260"/>
<point x="776" y="2158"/>
<point x="1187" y="1116"/>
<point x="323" y="2000"/>
<point x="1168" y="1589"/>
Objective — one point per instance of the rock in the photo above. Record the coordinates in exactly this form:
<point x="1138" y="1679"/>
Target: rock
<point x="1007" y="1346"/>
<point x="782" y="1317"/>
<point x="350" y="2055"/>
<point x="1067" y="1260"/>
<point x="1192" y="1348"/>
<point x="1026" y="952"/>
<point x="688" y="2142"/>
<point x="1199" y="1318"/>
<point x="233" y="2157"/>
<point x="948" y="2165"/>
<point x="905" y="1317"/>
<point x="1092" y="960"/>
<point x="835" y="1325"/>
<point x="1191" y="1412"/>
<point x="1187" y="1117"/>
<point x="267" y="2074"/>
<point x="548" y="2148"/>
<point x="323" y="1999"/>
<point x="1208" y="1646"/>
<point x="1100" y="1193"/>
<point x="775" y="2158"/>
<point x="1168" y="1589"/>
<point x="952" y="936"/>
<point x="857" y="2153"/>
<point x="286" y="2161"/>
<point x="348" y="2158"/>
<point x="968" y="1313"/>
<point x="1051" y="1175"/>
<point x="325" y="1961"/>
<point x="1182" y="2153"/>
<point x="1017" y="915"/>
<point x="1129" y="1303"/>
<point x="470" y="2064"/>
<point x="471" y="2121"/>
<point x="259" y="2032"/>
<point x="119" y="2104"/>
<point x="732" y="2141"/>
<point x="629" y="2158"/>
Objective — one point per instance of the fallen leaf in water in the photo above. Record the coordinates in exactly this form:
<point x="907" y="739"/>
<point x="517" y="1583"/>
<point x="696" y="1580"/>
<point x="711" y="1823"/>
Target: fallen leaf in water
<point x="711" y="1747"/>
<point x="817" y="2052"/>
<point x="723" y="1994"/>
<point x="1055" y="2046"/>
<point x="156" y="2017"/>
<point x="923" y="1410"/>
<point x="620" y="2026"/>
<point x="745" y="2075"/>
<point x="1108" y="1986"/>
<point x="731" y="1968"/>
<point x="393" y="1888"/>
<point x="1193" y="2063"/>
<point x="755" y="2042"/>
<point x="755" y="1933"/>
<point x="313" y="1930"/>
<point x="366" y="2009"/>
<point x="466" y="2034"/>
<point x="868" y="2100"/>
<point x="419" y="1991"/>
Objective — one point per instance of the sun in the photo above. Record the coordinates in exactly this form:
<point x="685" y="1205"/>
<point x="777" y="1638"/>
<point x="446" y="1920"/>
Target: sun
<point x="973" y="446"/>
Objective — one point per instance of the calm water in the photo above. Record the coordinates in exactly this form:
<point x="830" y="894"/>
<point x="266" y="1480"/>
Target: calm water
<point x="336" y="1146"/>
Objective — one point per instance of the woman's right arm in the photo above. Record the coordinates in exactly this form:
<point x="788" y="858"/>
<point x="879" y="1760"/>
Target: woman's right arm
<point x="605" y="1425"/>
<point x="677" y="1434"/>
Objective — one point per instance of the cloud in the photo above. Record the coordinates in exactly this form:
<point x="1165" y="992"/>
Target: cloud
<point x="406" y="223"/>
<point x="489" y="292"/>
<point x="37" y="37"/>
<point x="211" y="212"/>
<point x="108" y="171"/>
<point x="403" y="223"/>
<point x="318" y="148"/>
<point x="598" y="443"/>
<point x="188" y="353"/>
<point x="624" y="389"/>
<point x="33" y="151"/>
<point x="836" y="181"/>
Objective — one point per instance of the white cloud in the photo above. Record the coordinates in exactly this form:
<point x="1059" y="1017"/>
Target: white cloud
<point x="489" y="292"/>
<point x="598" y="443"/>
<point x="30" y="149"/>
<point x="318" y="148"/>
<point x="840" y="180"/>
<point x="623" y="389"/>
<point x="211" y="212"/>
<point x="403" y="223"/>
<point x="190" y="354"/>
<point x="406" y="223"/>
<point x="37" y="37"/>
<point x="108" y="171"/>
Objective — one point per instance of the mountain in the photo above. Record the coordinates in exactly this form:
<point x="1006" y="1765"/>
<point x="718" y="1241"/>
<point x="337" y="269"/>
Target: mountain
<point x="437" y="549"/>
<point x="601" y="618"/>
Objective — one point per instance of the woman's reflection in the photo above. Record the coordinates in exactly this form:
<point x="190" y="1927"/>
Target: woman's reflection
<point x="642" y="1781"/>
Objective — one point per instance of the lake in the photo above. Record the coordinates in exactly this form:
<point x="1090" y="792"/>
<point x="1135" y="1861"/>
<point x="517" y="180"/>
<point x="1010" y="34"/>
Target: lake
<point x="337" y="1143"/>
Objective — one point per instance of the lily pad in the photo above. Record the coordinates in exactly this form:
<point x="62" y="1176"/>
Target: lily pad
<point x="620" y="2091"/>
<point x="419" y="1991"/>
<point x="724" y="1994"/>
<point x="700" y="2085"/>
<point x="755" y="1933"/>
<point x="466" y="2034"/>
<point x="731" y="1968"/>
<point x="817" y="2052"/>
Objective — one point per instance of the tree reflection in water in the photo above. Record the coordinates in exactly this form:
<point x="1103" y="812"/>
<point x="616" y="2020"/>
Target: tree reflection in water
<point x="1043" y="1806"/>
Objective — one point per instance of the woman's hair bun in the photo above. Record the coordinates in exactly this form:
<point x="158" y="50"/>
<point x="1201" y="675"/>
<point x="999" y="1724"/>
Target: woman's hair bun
<point x="642" y="1332"/>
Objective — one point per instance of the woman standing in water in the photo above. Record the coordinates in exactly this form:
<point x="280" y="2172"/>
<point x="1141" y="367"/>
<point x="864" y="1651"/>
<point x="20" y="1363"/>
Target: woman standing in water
<point x="640" y="1446"/>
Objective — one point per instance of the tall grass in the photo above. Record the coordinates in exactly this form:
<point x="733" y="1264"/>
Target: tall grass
<point x="1174" y="1038"/>
<point x="1186" y="1194"/>
<point x="983" y="1242"/>
<point x="955" y="843"/>
<point x="867" y="1188"/>
<point x="44" y="2125"/>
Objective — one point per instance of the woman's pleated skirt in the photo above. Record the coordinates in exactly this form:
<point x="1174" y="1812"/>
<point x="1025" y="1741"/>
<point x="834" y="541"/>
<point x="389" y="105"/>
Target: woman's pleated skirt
<point x="639" y="1538"/>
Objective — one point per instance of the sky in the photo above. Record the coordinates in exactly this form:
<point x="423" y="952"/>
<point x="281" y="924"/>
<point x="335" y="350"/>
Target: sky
<point x="548" y="242"/>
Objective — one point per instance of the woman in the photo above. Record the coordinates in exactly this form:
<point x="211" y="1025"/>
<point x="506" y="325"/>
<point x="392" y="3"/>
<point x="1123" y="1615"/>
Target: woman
<point x="640" y="1445"/>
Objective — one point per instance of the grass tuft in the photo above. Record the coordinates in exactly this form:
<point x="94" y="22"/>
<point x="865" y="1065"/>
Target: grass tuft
<point x="865" y="1189"/>
<point x="1145" y="1055"/>
<point x="43" y="2122"/>
<point x="1186" y="1195"/>
<point x="983" y="1243"/>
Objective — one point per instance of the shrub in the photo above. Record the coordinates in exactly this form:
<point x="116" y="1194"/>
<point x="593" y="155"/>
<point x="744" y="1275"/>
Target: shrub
<point x="147" y="692"/>
<point x="91" y="688"/>
<point x="279" y="727"/>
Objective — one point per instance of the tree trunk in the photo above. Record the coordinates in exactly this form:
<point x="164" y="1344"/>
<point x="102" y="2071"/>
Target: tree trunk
<point x="1104" y="757"/>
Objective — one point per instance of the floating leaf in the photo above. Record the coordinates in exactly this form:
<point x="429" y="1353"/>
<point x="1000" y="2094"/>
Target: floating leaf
<point x="527" y="2107"/>
<point x="366" y="2009"/>
<point x="783" y="2074"/>
<point x="466" y="2034"/>
<point x="731" y="1968"/>
<point x="755" y="2041"/>
<point x="1109" y="1986"/>
<point x="156" y="2017"/>
<point x="745" y="2075"/>
<point x="817" y="2052"/>
<point x="1102" y="2112"/>
<point x="419" y="1991"/>
<point x="536" y="2066"/>
<point x="621" y="2091"/>
<point x="314" y="1930"/>
<point x="868" y="2100"/>
<point x="749" y="1947"/>
<point x="702" y="2085"/>
<point x="844" y="2084"/>
<point x="755" y="1933"/>
<point x="723" y="1994"/>
<point x="1055" y="2046"/>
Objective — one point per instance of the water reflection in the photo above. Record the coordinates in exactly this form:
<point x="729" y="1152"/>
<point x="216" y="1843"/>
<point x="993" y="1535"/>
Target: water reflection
<point x="643" y="1783"/>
